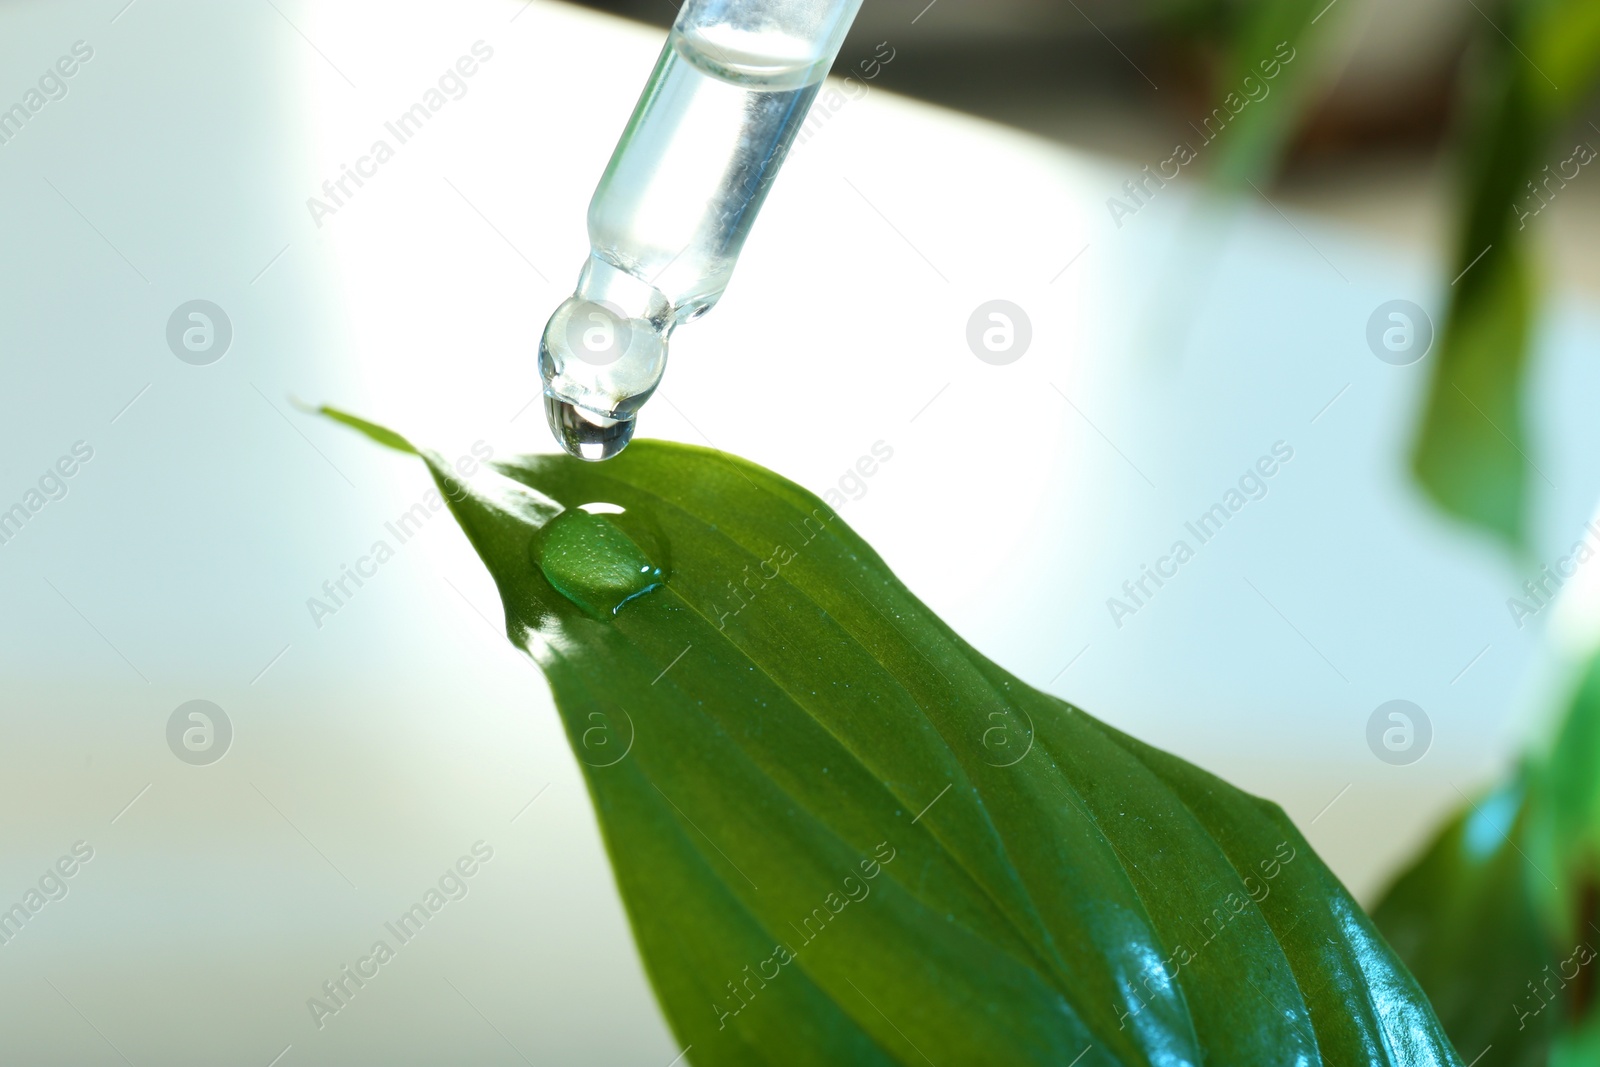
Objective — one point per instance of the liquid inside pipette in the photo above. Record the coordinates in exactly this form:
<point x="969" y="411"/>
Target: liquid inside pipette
<point x="668" y="221"/>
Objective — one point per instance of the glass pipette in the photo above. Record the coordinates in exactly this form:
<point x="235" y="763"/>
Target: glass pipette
<point x="672" y="211"/>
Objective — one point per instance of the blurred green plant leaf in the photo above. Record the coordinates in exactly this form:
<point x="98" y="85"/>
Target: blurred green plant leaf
<point x="1260" y="133"/>
<point x="1470" y="453"/>
<point x="1579" y="1047"/>
<point x="1497" y="919"/>
<point x="1563" y="826"/>
<point x="1536" y="66"/>
<point x="1463" y="919"/>
<point x="1263" y="56"/>
<point x="844" y="836"/>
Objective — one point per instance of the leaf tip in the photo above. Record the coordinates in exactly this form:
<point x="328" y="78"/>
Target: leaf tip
<point x="382" y="435"/>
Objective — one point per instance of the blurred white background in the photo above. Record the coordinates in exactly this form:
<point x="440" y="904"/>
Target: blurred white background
<point x="371" y="751"/>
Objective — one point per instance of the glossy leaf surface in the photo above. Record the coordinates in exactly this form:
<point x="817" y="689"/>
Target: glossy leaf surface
<point x="1463" y="918"/>
<point x="1500" y="918"/>
<point x="843" y="836"/>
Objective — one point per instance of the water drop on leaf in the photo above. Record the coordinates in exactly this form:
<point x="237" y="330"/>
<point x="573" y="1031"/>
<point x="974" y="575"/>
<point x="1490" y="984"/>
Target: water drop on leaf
<point x="592" y="562"/>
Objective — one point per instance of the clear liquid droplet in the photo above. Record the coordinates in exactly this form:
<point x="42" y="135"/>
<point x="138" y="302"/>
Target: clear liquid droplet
<point x="593" y="562"/>
<point x="584" y="434"/>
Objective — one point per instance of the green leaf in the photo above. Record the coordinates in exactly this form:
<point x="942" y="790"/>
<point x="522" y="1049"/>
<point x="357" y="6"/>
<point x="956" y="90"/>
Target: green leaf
<point x="387" y="438"/>
<point x="1563" y="827"/>
<point x="843" y="836"/>
<point x="1464" y="920"/>
<point x="1498" y="918"/>
<point x="1472" y="454"/>
<point x="1267" y="58"/>
<point x="1579" y="1047"/>
<point x="1257" y="138"/>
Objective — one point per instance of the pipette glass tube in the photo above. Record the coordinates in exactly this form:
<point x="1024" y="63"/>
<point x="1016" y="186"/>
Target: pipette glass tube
<point x="672" y="211"/>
